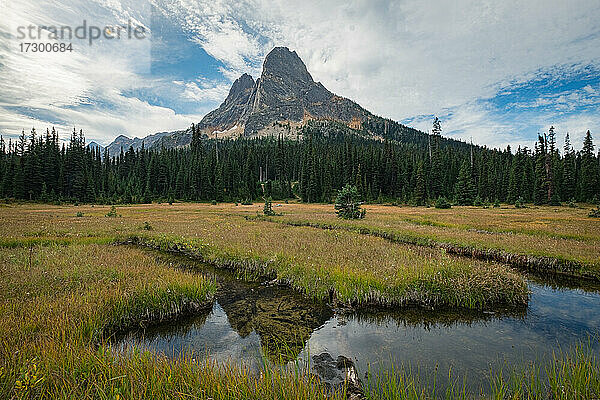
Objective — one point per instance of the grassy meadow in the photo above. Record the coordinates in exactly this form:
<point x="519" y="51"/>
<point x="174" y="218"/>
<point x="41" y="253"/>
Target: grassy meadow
<point x="66" y="286"/>
<point x="561" y="233"/>
<point x="60" y="303"/>
<point x="336" y="265"/>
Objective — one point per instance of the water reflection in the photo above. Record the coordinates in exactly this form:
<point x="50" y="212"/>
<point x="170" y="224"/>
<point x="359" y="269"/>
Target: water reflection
<point x="431" y="319"/>
<point x="275" y="320"/>
<point x="250" y="321"/>
<point x="283" y="319"/>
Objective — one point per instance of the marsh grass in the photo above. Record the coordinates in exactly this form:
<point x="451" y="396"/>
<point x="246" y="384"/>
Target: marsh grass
<point x="357" y="274"/>
<point x="557" y="232"/>
<point x="534" y="261"/>
<point x="59" y="309"/>
<point x="573" y="374"/>
<point x="347" y="268"/>
<point x="64" y="290"/>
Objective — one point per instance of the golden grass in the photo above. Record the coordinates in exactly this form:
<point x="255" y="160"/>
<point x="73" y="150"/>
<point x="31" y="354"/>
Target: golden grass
<point x="558" y="232"/>
<point x="355" y="269"/>
<point x="58" y="303"/>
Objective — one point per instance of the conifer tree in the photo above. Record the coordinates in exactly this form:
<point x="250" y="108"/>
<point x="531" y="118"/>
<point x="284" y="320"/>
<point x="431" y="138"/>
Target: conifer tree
<point x="589" y="169"/>
<point x="465" y="190"/>
<point x="436" y="173"/>
<point x="347" y="203"/>
<point x="420" y="194"/>
<point x="569" y="168"/>
<point x="540" y="194"/>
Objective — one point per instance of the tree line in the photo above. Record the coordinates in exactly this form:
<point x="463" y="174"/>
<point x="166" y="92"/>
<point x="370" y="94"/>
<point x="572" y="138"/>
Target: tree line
<point x="325" y="157"/>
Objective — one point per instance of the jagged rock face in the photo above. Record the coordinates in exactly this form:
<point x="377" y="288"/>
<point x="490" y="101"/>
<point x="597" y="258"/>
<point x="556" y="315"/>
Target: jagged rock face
<point x="231" y="111"/>
<point x="285" y="92"/>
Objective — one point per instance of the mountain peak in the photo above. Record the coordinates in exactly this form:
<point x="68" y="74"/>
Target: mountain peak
<point x="284" y="97"/>
<point x="241" y="84"/>
<point x="283" y="63"/>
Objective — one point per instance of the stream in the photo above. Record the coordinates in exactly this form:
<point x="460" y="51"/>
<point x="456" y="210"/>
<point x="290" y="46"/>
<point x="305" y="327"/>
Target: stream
<point x="253" y="322"/>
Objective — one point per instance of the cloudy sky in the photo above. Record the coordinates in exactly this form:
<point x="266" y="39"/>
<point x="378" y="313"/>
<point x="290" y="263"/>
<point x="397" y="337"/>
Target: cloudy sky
<point x="494" y="71"/>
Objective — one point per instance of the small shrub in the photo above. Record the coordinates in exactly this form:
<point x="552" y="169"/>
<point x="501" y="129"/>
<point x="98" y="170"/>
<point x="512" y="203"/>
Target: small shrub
<point x="519" y="203"/>
<point x="594" y="213"/>
<point x="147" y="226"/>
<point x="213" y="202"/>
<point x="572" y="203"/>
<point x="347" y="203"/>
<point x="496" y="203"/>
<point x="268" y="207"/>
<point x="79" y="214"/>
<point x="441" y="202"/>
<point x="113" y="212"/>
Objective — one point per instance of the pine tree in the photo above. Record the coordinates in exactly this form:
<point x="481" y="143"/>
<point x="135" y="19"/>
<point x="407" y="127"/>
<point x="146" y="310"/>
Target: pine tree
<point x="436" y="173"/>
<point x="540" y="194"/>
<point x="420" y="194"/>
<point x="196" y="141"/>
<point x="569" y="167"/>
<point x="589" y="170"/>
<point x="347" y="203"/>
<point x="516" y="177"/>
<point x="465" y="190"/>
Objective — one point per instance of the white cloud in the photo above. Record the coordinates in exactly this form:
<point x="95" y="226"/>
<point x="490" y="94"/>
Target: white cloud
<point x="400" y="59"/>
<point x="87" y="87"/>
<point x="406" y="58"/>
<point x="204" y="91"/>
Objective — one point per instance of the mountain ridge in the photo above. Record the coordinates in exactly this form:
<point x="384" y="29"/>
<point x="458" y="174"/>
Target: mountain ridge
<point x="285" y="93"/>
<point x="280" y="102"/>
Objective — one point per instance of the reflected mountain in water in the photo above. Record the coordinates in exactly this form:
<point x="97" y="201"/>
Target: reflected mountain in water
<point x="283" y="319"/>
<point x="278" y="318"/>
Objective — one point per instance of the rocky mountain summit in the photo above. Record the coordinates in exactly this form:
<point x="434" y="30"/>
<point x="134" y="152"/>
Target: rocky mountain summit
<point x="157" y="140"/>
<point x="284" y="96"/>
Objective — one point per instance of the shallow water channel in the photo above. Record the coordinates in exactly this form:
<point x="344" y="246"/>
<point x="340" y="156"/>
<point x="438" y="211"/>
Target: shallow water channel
<point x="253" y="322"/>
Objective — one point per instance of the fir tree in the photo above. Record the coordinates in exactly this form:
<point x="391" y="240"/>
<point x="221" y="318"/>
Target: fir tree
<point x="569" y="168"/>
<point x="347" y="203"/>
<point x="589" y="170"/>
<point x="436" y="173"/>
<point x="420" y="195"/>
<point x="465" y="190"/>
<point x="540" y="195"/>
